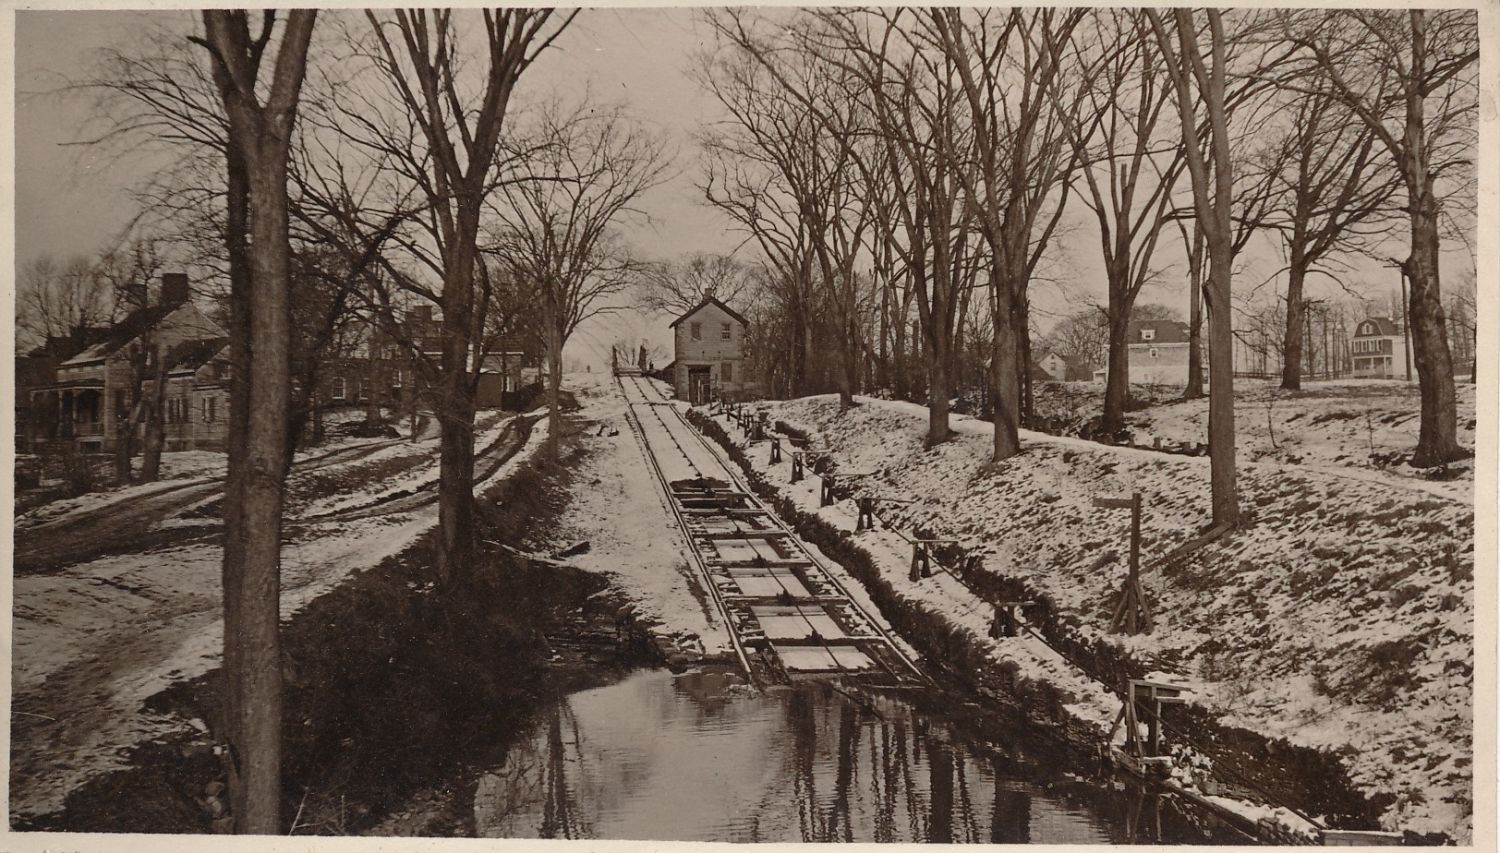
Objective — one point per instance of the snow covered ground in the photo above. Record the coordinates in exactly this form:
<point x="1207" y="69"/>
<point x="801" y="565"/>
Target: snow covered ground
<point x="1340" y="618"/>
<point x="96" y="639"/>
<point x="1357" y="428"/>
<point x="618" y="507"/>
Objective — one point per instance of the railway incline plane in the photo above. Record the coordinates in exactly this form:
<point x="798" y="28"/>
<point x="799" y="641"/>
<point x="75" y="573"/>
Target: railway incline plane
<point x="789" y="618"/>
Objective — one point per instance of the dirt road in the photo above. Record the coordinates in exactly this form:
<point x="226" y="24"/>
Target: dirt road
<point x="130" y="525"/>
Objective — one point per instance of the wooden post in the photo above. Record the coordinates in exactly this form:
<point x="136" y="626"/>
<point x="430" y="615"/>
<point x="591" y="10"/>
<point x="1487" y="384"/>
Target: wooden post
<point x="1007" y="623"/>
<point x="866" y="514"/>
<point x="1132" y="613"/>
<point x="1150" y="696"/>
<point x="775" y="450"/>
<point x="796" y="466"/>
<point x="921" y="562"/>
<point x="825" y="496"/>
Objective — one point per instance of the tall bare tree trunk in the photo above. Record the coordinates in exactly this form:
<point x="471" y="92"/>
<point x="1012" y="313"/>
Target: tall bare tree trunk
<point x="237" y="193"/>
<point x="1437" y="434"/>
<point x="1296" y="316"/>
<point x="554" y="386"/>
<point x="1213" y="187"/>
<point x="455" y="411"/>
<point x="259" y="142"/>
<point x="372" y="380"/>
<point x="1117" y="368"/>
<point x="939" y="390"/>
<point x="1194" y="390"/>
<point x="1006" y="357"/>
<point x="155" y="437"/>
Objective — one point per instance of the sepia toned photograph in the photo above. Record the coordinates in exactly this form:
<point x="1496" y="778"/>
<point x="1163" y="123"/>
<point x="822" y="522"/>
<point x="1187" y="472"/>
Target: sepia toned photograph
<point x="983" y="425"/>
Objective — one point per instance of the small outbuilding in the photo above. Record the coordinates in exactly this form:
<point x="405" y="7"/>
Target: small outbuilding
<point x="708" y="345"/>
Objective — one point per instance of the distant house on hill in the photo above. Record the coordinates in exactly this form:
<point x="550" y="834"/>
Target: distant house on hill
<point x="1052" y="367"/>
<point x="1158" y="352"/>
<point x="83" y="398"/>
<point x="708" y="349"/>
<point x="1378" y="349"/>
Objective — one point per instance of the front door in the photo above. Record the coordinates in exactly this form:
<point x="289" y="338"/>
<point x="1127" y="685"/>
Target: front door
<point x="699" y="385"/>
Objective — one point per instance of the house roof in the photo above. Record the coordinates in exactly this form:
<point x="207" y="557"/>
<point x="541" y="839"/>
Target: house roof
<point x="704" y="304"/>
<point x="136" y="323"/>
<point x="1167" y="331"/>
<point x="1384" y="327"/>
<point x="191" y="355"/>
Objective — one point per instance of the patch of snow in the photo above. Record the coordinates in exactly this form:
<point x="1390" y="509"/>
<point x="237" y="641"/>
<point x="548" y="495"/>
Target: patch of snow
<point x="1340" y="617"/>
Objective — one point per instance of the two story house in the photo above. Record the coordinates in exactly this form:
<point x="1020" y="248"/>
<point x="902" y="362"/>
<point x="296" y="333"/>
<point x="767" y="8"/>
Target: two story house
<point x="1158" y="352"/>
<point x="1378" y="349"/>
<point x="87" y="400"/>
<point x="708" y="345"/>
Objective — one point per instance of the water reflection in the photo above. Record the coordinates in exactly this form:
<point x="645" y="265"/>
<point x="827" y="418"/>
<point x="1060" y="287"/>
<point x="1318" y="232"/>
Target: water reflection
<point x="702" y="757"/>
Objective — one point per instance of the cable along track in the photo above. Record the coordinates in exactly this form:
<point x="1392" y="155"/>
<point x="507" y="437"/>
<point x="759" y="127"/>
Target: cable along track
<point x="788" y="617"/>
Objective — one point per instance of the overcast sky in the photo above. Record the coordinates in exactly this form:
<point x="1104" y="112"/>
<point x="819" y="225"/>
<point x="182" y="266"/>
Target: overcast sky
<point x="71" y="200"/>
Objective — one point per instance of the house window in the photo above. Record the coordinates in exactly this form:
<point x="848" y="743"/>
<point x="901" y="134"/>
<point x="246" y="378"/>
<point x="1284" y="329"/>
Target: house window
<point x="338" y="388"/>
<point x="726" y="372"/>
<point x="1153" y="352"/>
<point x="697" y="331"/>
<point x="396" y="382"/>
<point x="724" y="332"/>
<point x="213" y="409"/>
<point x="1148" y="335"/>
<point x="363" y="393"/>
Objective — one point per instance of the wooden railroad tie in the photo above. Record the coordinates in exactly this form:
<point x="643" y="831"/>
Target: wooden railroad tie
<point x="1132" y="611"/>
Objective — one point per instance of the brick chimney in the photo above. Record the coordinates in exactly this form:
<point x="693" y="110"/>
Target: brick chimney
<point x="174" y="288"/>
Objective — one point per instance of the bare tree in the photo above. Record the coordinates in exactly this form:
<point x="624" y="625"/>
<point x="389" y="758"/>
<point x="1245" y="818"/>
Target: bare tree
<point x="56" y="300"/>
<point x="910" y="177"/>
<point x="261" y="112"/>
<point x="1409" y="77"/>
<point x="784" y="167"/>
<point x="454" y="169"/>
<point x="679" y="285"/>
<point x="558" y="216"/>
<point x="1199" y="80"/>
<point x="1081" y="337"/>
<point x="1128" y="172"/>
<point x="1330" y="195"/>
<point x="1011" y="75"/>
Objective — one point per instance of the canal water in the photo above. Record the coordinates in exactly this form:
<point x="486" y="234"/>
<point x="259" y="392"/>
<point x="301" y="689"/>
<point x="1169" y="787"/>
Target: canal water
<point x="701" y="756"/>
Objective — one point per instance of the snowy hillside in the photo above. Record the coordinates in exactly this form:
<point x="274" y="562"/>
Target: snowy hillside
<point x="1340" y="617"/>
<point x="1357" y="427"/>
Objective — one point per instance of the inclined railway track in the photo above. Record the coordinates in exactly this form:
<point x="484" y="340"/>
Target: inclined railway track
<point x="788" y="617"/>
